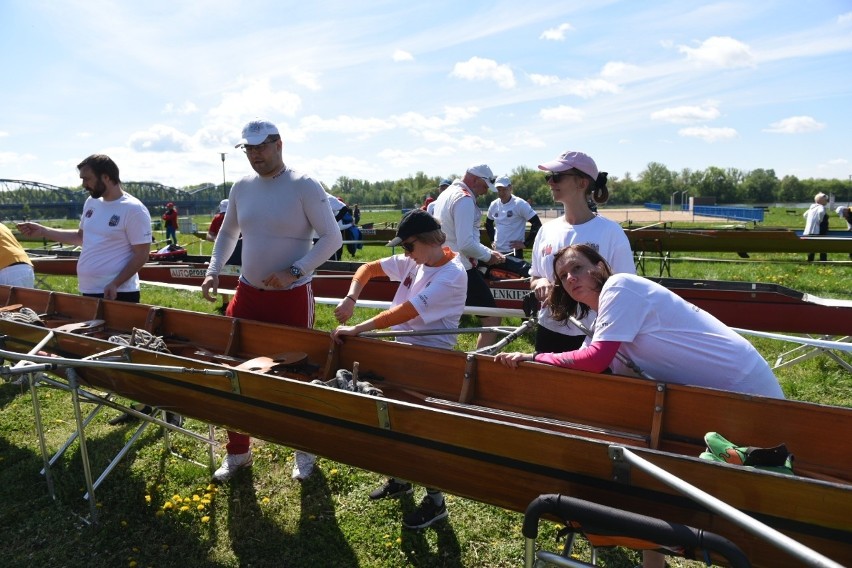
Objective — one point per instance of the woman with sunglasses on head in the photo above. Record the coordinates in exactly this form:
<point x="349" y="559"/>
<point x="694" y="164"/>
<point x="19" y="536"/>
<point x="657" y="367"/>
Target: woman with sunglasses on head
<point x="573" y="178"/>
<point x="431" y="295"/>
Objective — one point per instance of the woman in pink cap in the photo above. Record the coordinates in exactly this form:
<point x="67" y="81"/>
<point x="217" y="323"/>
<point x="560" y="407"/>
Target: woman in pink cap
<point x="573" y="178"/>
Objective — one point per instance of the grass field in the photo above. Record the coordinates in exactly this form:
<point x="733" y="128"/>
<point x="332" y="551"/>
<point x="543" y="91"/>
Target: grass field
<point x="158" y="509"/>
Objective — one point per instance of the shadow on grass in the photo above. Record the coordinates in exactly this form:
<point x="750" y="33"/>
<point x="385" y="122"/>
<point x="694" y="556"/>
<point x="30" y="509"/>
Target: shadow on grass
<point x="316" y="541"/>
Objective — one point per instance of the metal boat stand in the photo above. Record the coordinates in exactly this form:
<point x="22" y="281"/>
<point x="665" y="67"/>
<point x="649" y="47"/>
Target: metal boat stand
<point x="809" y="347"/>
<point x="32" y="369"/>
<point x="623" y="459"/>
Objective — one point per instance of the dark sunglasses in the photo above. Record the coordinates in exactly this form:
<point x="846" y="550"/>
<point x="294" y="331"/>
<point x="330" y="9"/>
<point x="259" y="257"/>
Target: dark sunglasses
<point x="409" y="246"/>
<point x="557" y="177"/>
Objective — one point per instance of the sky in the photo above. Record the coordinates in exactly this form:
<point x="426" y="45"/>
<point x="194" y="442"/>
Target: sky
<point x="385" y="89"/>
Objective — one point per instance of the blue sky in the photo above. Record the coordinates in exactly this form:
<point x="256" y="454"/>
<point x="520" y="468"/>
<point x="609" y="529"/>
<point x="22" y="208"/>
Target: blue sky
<point x="382" y="90"/>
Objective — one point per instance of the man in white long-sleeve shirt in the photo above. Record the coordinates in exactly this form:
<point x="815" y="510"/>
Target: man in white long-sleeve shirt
<point x="277" y="212"/>
<point x="460" y="219"/>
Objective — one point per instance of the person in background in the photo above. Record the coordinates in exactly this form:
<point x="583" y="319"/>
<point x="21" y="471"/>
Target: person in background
<point x="345" y="221"/>
<point x="277" y="210"/>
<point x="572" y="178"/>
<point x="430" y="206"/>
<point x="216" y="222"/>
<point x="845" y="213"/>
<point x="433" y="283"/>
<point x="115" y="236"/>
<point x="458" y="214"/>
<point x="506" y="222"/>
<point x="17" y="267"/>
<point x="356" y="214"/>
<point x="816" y="222"/>
<point x="170" y="219"/>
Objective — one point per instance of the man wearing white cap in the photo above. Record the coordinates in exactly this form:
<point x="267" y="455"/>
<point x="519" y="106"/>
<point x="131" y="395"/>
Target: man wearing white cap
<point x="506" y="222"/>
<point x="216" y="223"/>
<point x="277" y="212"/>
<point x="460" y="218"/>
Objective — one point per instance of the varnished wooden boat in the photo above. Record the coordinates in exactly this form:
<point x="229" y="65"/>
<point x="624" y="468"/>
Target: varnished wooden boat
<point x="472" y="426"/>
<point x="660" y="240"/>
<point x="749" y="305"/>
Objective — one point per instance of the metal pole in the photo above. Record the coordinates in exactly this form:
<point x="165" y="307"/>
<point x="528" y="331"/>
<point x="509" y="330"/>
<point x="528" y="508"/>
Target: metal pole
<point x="804" y="554"/>
<point x="224" y="187"/>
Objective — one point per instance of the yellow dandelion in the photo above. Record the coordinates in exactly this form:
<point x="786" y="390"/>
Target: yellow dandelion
<point x="205" y="501"/>
<point x="205" y="519"/>
<point x="265" y="500"/>
<point x="388" y="544"/>
<point x="211" y="486"/>
<point x="387" y="536"/>
<point x="399" y="540"/>
<point x="135" y="549"/>
<point x="334" y="471"/>
<point x="132" y="564"/>
<point x="165" y="547"/>
<point x="312" y="517"/>
<point x="148" y="499"/>
<point x="208" y="496"/>
<point x="123" y="523"/>
<point x="176" y="498"/>
<point x="196" y="498"/>
<point x="168" y="505"/>
<point x="200" y="507"/>
<point x="184" y="508"/>
<point x="99" y="505"/>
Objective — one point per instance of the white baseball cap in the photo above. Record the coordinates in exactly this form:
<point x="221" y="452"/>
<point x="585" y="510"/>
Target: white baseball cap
<point x="484" y="172"/>
<point x="256" y="132"/>
<point x="503" y="181"/>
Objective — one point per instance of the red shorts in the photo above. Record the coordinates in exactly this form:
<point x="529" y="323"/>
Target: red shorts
<point x="289" y="307"/>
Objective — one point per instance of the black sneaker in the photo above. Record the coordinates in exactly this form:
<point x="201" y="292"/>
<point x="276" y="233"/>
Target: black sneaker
<point x="391" y="488"/>
<point x="174" y="419"/>
<point x="425" y="515"/>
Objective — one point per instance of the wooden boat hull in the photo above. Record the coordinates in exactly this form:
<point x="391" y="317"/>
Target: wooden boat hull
<point x="476" y="428"/>
<point x="748" y="305"/>
<point x="659" y="240"/>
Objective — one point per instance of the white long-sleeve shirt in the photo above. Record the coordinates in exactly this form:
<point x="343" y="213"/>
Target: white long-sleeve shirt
<point x="277" y="218"/>
<point x="460" y="220"/>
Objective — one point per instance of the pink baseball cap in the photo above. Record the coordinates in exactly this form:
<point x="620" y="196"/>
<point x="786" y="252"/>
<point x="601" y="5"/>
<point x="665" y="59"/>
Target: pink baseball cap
<point x="568" y="160"/>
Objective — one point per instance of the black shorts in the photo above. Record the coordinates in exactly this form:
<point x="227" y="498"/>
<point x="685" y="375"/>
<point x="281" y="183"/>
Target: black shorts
<point x="478" y="292"/>
<point x="548" y="341"/>
<point x="133" y="297"/>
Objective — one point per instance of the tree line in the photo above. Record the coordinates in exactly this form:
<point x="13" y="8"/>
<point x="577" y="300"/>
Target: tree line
<point x="655" y="184"/>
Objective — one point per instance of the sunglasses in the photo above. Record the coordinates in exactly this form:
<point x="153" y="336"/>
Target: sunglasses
<point x="249" y="148"/>
<point x="409" y="246"/>
<point x="557" y="177"/>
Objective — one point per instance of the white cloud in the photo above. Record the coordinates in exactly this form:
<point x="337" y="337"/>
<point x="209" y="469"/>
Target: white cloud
<point x="562" y="113"/>
<point x="686" y="114"/>
<point x="188" y="107"/>
<point x="307" y="79"/>
<point x="844" y="19"/>
<point x="544" y="80"/>
<point x="3" y="134"/>
<point x="557" y="33"/>
<point x="588" y="88"/>
<point x="720" y="52"/>
<point x="9" y="158"/>
<point x="346" y="125"/>
<point x="160" y="138"/>
<point x="619" y="71"/>
<point x="478" y="68"/>
<point x="795" y="125"/>
<point x="838" y="162"/>
<point x="84" y="135"/>
<point x="401" y="55"/>
<point x="707" y="133"/>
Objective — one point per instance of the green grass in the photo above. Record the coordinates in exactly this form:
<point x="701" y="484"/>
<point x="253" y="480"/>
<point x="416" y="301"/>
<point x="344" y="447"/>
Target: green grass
<point x="263" y="518"/>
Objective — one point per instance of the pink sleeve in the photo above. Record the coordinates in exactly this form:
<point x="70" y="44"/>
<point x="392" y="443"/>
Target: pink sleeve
<point x="595" y="358"/>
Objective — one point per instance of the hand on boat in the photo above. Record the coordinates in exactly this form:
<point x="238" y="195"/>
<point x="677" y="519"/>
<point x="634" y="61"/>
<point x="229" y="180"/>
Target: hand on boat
<point x="210" y="287"/>
<point x="341" y="330"/>
<point x="111" y="291"/>
<point x="511" y="360"/>
<point x="542" y="288"/>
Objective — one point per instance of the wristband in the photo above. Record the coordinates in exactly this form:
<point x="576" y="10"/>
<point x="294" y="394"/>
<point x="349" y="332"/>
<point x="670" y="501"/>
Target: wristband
<point x="354" y="301"/>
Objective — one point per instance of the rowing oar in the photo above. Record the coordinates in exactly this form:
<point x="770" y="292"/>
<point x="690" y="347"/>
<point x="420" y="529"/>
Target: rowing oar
<point x="623" y="358"/>
<point x="519" y="331"/>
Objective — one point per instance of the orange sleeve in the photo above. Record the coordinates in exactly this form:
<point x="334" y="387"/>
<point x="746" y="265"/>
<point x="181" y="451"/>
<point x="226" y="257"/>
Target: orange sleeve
<point x="368" y="271"/>
<point x="395" y="315"/>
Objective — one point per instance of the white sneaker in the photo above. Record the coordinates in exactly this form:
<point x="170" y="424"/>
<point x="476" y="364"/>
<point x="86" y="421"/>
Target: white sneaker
<point x="231" y="464"/>
<point x="304" y="465"/>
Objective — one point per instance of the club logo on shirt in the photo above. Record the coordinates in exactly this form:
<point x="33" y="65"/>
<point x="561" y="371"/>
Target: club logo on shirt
<point x="407" y="281"/>
<point x="113" y="221"/>
<point x="89" y="213"/>
<point x="509" y="213"/>
<point x="547" y="251"/>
